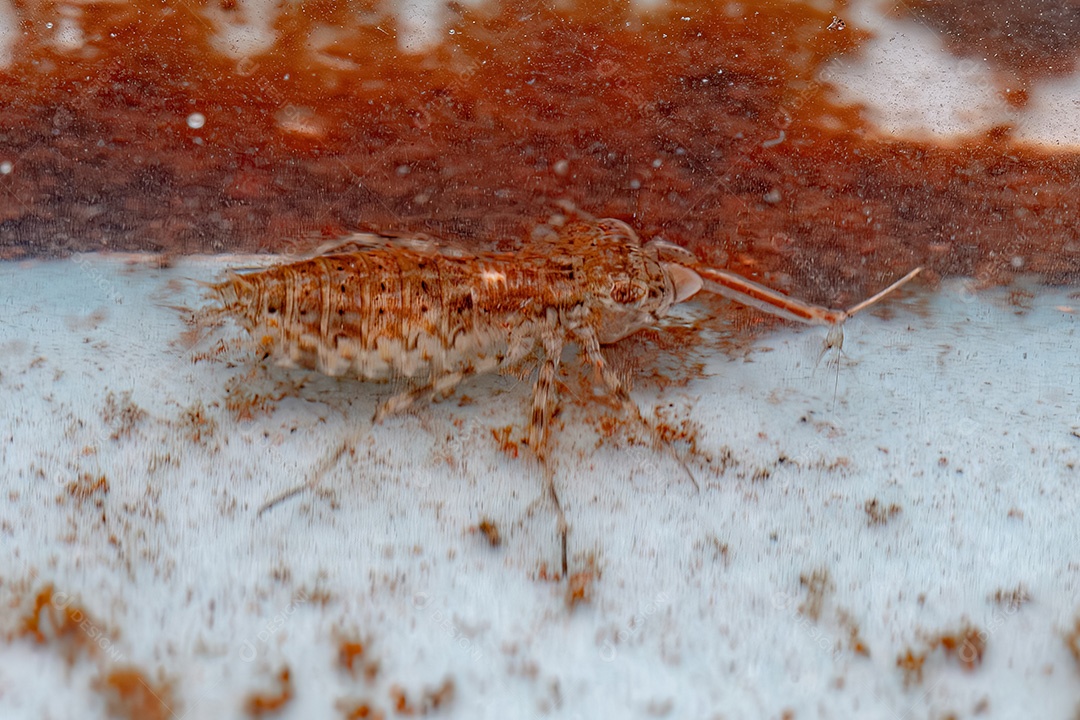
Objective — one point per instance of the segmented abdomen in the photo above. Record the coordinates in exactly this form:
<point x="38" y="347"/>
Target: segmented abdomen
<point x="381" y="312"/>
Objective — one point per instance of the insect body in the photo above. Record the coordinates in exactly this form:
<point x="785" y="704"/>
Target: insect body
<point x="379" y="309"/>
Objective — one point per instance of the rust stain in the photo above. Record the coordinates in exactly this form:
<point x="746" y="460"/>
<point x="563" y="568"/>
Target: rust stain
<point x="130" y="694"/>
<point x="57" y="620"/>
<point x="715" y="131"/>
<point x="260" y="704"/>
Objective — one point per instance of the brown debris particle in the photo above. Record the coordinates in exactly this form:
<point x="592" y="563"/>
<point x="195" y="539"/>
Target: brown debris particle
<point x="121" y="414"/>
<point x="258" y="704"/>
<point x="57" y="620"/>
<point x="348" y="653"/>
<point x="878" y="514"/>
<point x="579" y="586"/>
<point x="129" y="694"/>
<point x="1021" y="299"/>
<point x="1072" y="642"/>
<point x="198" y="425"/>
<point x="819" y="586"/>
<point x="430" y="701"/>
<point x="83" y="323"/>
<point x="354" y="657"/>
<point x="911" y="664"/>
<point x="490" y="531"/>
<point x="89" y="487"/>
<point x="967" y="645"/>
<point x="503" y="437"/>
<point x="1012" y="599"/>
<point x="855" y="641"/>
<point x="360" y="710"/>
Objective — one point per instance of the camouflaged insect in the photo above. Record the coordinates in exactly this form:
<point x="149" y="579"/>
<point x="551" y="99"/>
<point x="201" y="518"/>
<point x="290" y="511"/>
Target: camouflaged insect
<point x="380" y="308"/>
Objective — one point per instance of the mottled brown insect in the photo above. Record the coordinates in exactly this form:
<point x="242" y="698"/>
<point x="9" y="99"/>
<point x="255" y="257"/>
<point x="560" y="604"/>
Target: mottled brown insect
<point x="380" y="308"/>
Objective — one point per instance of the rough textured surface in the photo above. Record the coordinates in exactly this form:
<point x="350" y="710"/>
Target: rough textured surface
<point x="144" y="126"/>
<point x="897" y="537"/>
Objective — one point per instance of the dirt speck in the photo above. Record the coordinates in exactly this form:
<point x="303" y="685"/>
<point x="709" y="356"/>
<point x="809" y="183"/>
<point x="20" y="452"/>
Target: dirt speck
<point x="819" y="586"/>
<point x="1011" y="599"/>
<point x="878" y="513"/>
<point x="260" y="704"/>
<point x="579" y="586"/>
<point x="197" y="424"/>
<point x="1072" y="642"/>
<point x="83" y="323"/>
<point x="431" y="699"/>
<point x="489" y="530"/>
<point x="121" y="414"/>
<point x="130" y="694"/>
<point x="87" y="488"/>
<point x="965" y="645"/>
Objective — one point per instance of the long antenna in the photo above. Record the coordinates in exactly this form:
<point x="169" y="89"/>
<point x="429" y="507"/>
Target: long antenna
<point x="896" y="285"/>
<point x="737" y="288"/>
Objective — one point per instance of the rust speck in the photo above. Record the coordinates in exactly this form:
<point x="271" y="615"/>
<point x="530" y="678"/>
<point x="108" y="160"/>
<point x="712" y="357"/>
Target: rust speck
<point x="130" y="694"/>
<point x="348" y="653"/>
<point x="88" y="487"/>
<point x="57" y="620"/>
<point x="1012" y="600"/>
<point x="911" y="664"/>
<point x="121" y="414"/>
<point x="360" y="710"/>
<point x="1072" y="642"/>
<point x="503" y="436"/>
<point x="967" y="645"/>
<point x="877" y="513"/>
<point x="431" y="699"/>
<point x="258" y="705"/>
<point x="579" y="585"/>
<point x="819" y="586"/>
<point x="490" y="531"/>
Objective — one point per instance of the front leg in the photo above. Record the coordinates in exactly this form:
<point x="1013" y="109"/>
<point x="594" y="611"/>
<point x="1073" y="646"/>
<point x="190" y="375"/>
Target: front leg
<point x="590" y="346"/>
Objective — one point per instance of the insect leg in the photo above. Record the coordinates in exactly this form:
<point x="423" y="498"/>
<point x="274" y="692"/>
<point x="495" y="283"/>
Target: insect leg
<point x="544" y="390"/>
<point x="324" y="467"/>
<point x="438" y="388"/>
<point x="590" y="345"/>
<point x="543" y="409"/>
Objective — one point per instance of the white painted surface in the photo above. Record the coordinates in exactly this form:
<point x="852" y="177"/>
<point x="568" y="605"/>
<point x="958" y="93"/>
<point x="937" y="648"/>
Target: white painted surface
<point x="675" y="627"/>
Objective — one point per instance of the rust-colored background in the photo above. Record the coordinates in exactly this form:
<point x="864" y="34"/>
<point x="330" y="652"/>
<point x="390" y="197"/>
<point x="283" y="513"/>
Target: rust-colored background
<point x="710" y="127"/>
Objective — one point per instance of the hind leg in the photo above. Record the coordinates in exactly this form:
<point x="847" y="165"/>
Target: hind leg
<point x="544" y="403"/>
<point x="321" y="469"/>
